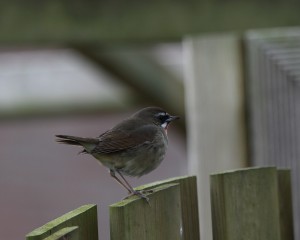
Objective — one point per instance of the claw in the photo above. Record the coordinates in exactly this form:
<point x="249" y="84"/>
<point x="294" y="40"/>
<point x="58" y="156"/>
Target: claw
<point x="146" y="191"/>
<point x="139" y="194"/>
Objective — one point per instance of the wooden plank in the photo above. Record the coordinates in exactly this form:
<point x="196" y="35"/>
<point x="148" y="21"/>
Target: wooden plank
<point x="245" y="204"/>
<point x="215" y="112"/>
<point x="189" y="204"/>
<point x="135" y="219"/>
<point x="99" y="21"/>
<point x="285" y="204"/>
<point x="68" y="233"/>
<point x="85" y="217"/>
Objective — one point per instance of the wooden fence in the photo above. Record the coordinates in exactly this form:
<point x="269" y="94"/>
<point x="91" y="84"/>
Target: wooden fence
<point x="272" y="59"/>
<point x="252" y="203"/>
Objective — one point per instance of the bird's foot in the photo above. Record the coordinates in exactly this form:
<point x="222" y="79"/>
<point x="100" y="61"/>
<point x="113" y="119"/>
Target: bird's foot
<point x="140" y="194"/>
<point x="146" y="191"/>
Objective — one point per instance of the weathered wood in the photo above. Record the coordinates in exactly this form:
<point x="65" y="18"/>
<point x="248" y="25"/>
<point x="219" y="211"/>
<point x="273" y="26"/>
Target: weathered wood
<point x="85" y="217"/>
<point x="215" y="112"/>
<point x="189" y="204"/>
<point x="135" y="219"/>
<point x="245" y="204"/>
<point x="68" y="233"/>
<point x="285" y="204"/>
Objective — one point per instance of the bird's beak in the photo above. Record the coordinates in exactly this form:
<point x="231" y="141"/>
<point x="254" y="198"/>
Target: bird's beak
<point x="172" y="118"/>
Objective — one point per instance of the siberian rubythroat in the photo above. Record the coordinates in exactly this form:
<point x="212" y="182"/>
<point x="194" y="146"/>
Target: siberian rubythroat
<point x="134" y="147"/>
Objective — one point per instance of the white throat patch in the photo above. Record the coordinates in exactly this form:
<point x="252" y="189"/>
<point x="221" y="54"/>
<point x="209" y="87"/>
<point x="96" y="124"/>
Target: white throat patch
<point x="164" y="125"/>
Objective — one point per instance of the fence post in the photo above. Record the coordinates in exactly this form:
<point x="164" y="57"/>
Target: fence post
<point x="246" y="203"/>
<point x="215" y="118"/>
<point x="80" y="223"/>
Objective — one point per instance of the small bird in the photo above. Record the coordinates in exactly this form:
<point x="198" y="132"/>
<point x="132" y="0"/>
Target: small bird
<point x="134" y="147"/>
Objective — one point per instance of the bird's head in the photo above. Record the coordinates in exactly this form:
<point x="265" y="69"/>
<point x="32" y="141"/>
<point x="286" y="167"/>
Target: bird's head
<point x="156" y="115"/>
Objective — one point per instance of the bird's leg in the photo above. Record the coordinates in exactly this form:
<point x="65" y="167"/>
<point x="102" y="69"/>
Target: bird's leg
<point x="131" y="188"/>
<point x="127" y="186"/>
<point x="127" y="183"/>
<point x="132" y="191"/>
<point x="113" y="175"/>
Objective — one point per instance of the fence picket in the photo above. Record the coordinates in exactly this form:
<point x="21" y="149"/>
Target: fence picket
<point x="68" y="233"/>
<point x="84" y="217"/>
<point x="246" y="204"/>
<point x="285" y="204"/>
<point x="189" y="204"/>
<point x="134" y="218"/>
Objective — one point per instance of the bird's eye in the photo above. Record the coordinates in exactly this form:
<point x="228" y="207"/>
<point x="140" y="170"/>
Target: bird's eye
<point x="162" y="116"/>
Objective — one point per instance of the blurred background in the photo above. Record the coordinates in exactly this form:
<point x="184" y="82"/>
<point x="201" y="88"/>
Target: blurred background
<point x="230" y="69"/>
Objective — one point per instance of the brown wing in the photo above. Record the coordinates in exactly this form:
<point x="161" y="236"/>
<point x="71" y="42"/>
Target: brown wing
<point x="126" y="135"/>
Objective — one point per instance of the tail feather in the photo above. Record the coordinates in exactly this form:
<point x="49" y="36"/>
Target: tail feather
<point x="71" y="140"/>
<point x="87" y="143"/>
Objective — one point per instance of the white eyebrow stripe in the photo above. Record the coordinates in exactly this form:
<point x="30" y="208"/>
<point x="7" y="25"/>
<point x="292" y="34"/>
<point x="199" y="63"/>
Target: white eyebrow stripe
<point x="160" y="114"/>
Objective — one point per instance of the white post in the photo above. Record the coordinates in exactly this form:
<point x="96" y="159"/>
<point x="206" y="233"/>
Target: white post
<point x="215" y="112"/>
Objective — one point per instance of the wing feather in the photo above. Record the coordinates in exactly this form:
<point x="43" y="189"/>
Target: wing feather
<point x="128" y="134"/>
